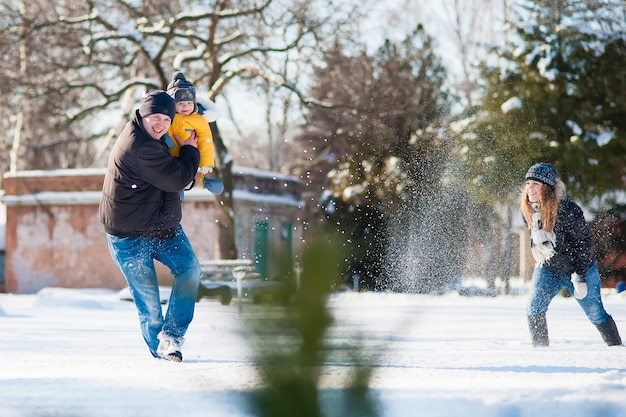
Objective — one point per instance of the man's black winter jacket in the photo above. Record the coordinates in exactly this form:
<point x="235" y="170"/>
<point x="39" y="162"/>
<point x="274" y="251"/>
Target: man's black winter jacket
<point x="142" y="185"/>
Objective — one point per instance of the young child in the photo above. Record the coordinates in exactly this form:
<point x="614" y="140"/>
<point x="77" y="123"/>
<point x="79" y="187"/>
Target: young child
<point x="187" y="120"/>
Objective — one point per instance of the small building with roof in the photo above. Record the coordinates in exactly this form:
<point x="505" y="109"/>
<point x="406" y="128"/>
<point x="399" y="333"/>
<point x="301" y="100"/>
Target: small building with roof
<point x="53" y="236"/>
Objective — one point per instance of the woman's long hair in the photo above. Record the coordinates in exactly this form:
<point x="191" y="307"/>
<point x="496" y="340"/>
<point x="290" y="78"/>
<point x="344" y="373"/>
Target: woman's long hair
<point x="548" y="205"/>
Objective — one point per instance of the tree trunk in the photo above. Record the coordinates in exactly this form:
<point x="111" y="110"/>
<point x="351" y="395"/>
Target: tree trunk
<point x="226" y="247"/>
<point x="15" y="146"/>
<point x="507" y="255"/>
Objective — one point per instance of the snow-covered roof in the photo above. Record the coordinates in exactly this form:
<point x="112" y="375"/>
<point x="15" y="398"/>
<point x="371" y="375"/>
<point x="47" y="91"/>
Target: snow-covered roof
<point x="56" y="173"/>
<point x="93" y="197"/>
<point x="255" y="172"/>
<point x="101" y="171"/>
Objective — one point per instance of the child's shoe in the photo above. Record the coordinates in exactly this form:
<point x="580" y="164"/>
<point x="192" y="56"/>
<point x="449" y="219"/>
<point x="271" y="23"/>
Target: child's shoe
<point x="213" y="185"/>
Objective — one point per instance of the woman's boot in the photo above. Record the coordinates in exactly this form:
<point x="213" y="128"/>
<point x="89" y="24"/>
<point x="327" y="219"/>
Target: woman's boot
<point x="538" y="330"/>
<point x="609" y="332"/>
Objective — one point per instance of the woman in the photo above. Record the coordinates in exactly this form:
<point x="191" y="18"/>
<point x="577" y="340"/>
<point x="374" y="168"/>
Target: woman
<point x="563" y="250"/>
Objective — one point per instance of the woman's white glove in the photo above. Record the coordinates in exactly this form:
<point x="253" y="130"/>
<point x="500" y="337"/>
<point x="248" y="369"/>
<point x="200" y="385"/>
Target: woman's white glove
<point x="580" y="286"/>
<point x="205" y="170"/>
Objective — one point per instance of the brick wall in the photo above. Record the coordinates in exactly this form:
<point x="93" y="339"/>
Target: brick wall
<point x="53" y="236"/>
<point x="55" y="239"/>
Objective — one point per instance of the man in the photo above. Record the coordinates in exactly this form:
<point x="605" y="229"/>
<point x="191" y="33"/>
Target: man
<point x="141" y="212"/>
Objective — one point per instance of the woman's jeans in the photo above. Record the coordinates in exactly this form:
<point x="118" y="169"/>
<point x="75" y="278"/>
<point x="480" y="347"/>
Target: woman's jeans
<point x="546" y="284"/>
<point x="135" y="257"/>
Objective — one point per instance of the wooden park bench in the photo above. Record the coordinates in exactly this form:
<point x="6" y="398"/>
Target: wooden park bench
<point x="220" y="278"/>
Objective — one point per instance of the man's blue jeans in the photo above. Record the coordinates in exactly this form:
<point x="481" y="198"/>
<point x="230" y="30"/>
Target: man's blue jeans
<point x="546" y="284"/>
<point x="135" y="257"/>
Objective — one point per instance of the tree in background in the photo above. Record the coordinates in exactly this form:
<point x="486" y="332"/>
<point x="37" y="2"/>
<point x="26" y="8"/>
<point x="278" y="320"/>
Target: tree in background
<point x="554" y="93"/>
<point x="609" y="233"/>
<point x="36" y="56"/>
<point x="380" y="151"/>
<point x="557" y="95"/>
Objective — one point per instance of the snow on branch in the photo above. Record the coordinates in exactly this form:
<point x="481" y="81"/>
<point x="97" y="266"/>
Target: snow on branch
<point x="80" y="19"/>
<point x="109" y="97"/>
<point x="228" y="13"/>
<point x="184" y="56"/>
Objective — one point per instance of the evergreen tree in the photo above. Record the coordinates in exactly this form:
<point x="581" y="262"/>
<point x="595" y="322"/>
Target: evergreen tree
<point x="379" y="152"/>
<point x="557" y="95"/>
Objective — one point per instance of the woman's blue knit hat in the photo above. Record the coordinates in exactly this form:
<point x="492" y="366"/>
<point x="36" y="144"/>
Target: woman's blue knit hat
<point x="543" y="172"/>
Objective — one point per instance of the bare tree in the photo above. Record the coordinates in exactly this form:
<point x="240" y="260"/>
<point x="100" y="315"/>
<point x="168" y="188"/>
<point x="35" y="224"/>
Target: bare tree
<point x="101" y="55"/>
<point x="36" y="57"/>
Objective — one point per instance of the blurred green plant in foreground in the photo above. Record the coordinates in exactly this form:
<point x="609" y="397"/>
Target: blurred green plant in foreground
<point x="291" y="347"/>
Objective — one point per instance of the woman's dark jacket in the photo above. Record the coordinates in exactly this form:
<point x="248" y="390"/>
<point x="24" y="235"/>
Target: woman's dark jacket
<point x="142" y="185"/>
<point x="574" y="245"/>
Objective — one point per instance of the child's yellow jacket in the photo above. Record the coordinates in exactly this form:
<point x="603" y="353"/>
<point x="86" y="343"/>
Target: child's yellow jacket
<point x="182" y="127"/>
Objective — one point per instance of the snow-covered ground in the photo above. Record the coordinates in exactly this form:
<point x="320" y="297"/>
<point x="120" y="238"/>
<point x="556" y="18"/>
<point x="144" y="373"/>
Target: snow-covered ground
<point x="71" y="353"/>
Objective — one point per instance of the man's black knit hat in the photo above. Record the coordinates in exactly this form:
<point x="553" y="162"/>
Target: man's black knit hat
<point x="157" y="101"/>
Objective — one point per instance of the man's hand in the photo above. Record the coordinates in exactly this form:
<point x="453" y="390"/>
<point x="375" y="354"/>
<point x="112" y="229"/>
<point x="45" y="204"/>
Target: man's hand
<point x="191" y="141"/>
